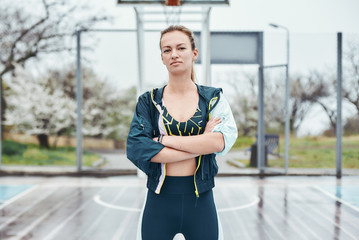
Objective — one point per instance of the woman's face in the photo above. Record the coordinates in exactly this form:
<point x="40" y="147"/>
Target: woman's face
<point x="176" y="52"/>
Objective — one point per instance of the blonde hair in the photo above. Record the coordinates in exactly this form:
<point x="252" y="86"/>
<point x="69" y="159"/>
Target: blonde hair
<point x="190" y="36"/>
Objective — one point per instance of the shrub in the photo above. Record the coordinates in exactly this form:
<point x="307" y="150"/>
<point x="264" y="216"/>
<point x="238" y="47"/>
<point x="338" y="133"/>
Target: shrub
<point x="11" y="148"/>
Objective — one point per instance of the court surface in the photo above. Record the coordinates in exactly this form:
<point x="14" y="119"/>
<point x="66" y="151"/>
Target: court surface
<point x="248" y="207"/>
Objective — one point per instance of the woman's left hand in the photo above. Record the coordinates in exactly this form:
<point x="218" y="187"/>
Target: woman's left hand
<point x="211" y="124"/>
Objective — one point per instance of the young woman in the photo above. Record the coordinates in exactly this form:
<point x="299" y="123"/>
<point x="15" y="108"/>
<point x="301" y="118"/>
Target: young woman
<point x="175" y="134"/>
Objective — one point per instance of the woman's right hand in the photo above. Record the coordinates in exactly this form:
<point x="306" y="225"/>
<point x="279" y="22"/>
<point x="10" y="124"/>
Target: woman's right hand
<point x="211" y="124"/>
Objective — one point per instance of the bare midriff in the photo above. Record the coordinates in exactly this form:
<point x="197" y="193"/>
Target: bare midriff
<point x="182" y="168"/>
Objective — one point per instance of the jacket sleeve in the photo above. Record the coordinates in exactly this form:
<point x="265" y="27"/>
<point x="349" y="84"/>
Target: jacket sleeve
<point x="140" y="146"/>
<point x="227" y="126"/>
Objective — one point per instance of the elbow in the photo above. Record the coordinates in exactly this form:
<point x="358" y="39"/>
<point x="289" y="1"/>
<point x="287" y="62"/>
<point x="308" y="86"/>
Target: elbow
<point x="219" y="145"/>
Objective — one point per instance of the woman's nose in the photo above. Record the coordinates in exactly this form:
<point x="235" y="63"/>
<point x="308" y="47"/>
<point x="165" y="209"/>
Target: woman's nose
<point x="174" y="54"/>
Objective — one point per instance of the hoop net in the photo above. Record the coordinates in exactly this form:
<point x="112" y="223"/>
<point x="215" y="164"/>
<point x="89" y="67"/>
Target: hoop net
<point x="172" y="14"/>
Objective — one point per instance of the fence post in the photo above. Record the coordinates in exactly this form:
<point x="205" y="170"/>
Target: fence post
<point x="79" y="102"/>
<point x="338" y="128"/>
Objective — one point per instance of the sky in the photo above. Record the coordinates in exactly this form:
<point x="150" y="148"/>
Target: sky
<point x="300" y="16"/>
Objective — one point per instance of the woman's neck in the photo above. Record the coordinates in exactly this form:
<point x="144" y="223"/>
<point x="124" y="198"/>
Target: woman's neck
<point x="181" y="84"/>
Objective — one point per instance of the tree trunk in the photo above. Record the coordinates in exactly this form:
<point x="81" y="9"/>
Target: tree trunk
<point x="43" y="140"/>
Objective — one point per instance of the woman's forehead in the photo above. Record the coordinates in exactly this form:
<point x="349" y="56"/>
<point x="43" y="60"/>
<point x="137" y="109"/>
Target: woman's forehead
<point x="174" y="39"/>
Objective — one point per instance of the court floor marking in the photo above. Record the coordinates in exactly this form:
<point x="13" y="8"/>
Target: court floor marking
<point x="18" y="196"/>
<point x="336" y="198"/>
<point x="98" y="200"/>
<point x="229" y="233"/>
<point x="100" y="217"/>
<point x="253" y="203"/>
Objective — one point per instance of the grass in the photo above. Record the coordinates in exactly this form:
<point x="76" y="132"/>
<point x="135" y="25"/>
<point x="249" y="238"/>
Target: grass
<point x="31" y="154"/>
<point x="311" y="152"/>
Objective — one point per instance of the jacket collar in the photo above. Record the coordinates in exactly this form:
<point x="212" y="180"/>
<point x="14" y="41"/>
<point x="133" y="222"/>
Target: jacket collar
<point x="205" y="92"/>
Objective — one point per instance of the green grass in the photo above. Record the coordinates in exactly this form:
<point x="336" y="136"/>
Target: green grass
<point x="312" y="152"/>
<point x="31" y="154"/>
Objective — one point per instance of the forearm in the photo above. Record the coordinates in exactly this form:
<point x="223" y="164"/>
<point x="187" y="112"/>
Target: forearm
<point x="199" y="144"/>
<point x="168" y="155"/>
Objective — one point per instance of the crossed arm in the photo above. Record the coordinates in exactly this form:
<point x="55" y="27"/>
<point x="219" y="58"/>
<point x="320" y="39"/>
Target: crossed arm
<point x="179" y="148"/>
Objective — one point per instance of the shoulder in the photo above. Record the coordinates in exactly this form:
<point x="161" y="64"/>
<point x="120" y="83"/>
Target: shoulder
<point x="209" y="92"/>
<point x="154" y="95"/>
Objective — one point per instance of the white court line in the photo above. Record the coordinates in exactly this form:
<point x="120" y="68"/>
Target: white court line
<point x="98" y="200"/>
<point x="254" y="202"/>
<point x="16" y="197"/>
<point x="337" y="199"/>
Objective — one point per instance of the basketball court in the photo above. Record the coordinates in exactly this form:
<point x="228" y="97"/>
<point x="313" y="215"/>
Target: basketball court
<point x="248" y="207"/>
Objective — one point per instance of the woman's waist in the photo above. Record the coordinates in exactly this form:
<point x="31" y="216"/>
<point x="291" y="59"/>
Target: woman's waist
<point x="182" y="168"/>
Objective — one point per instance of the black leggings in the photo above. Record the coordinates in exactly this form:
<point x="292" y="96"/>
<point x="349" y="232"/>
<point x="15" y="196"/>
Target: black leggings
<point x="177" y="210"/>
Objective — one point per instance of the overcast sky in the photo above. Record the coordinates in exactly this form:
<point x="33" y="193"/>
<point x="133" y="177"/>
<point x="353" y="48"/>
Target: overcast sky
<point x="308" y="16"/>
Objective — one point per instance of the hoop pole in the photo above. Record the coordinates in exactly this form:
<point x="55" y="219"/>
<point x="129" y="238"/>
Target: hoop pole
<point x="205" y="46"/>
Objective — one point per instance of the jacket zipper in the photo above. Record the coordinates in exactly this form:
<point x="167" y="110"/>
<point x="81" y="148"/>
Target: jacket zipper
<point x="195" y="184"/>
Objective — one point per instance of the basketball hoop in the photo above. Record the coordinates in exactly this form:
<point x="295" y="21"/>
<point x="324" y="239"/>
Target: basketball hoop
<point x="172" y="12"/>
<point x="173" y="2"/>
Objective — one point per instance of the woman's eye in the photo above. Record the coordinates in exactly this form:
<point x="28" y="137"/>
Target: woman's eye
<point x="182" y="48"/>
<point x="166" y="51"/>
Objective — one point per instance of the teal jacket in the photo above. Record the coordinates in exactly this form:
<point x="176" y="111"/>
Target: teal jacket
<point x="144" y="127"/>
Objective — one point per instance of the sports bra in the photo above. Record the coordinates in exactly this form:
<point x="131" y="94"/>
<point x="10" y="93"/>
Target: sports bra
<point x="193" y="126"/>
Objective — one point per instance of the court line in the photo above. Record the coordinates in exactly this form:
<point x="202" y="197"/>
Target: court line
<point x="254" y="202"/>
<point x="98" y="200"/>
<point x="16" y="197"/>
<point x="99" y="219"/>
<point x="230" y="196"/>
<point x="336" y="198"/>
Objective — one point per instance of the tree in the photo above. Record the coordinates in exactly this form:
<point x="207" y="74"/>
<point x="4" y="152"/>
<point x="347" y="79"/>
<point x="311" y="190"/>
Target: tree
<point x="36" y="109"/>
<point x="27" y="34"/>
<point x="351" y="125"/>
<point x="305" y="91"/>
<point x="351" y="74"/>
<point x="46" y="105"/>
<point x="107" y="111"/>
<point x="245" y="102"/>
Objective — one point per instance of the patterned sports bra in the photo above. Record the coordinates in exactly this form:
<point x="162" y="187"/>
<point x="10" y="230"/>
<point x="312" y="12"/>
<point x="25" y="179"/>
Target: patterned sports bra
<point x="193" y="126"/>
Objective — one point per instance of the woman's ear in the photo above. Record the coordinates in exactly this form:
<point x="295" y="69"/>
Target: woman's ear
<point x="195" y="54"/>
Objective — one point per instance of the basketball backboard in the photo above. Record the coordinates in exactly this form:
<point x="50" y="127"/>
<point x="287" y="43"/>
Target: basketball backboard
<point x="182" y="2"/>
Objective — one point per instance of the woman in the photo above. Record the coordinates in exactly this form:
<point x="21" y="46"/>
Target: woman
<point x="175" y="134"/>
